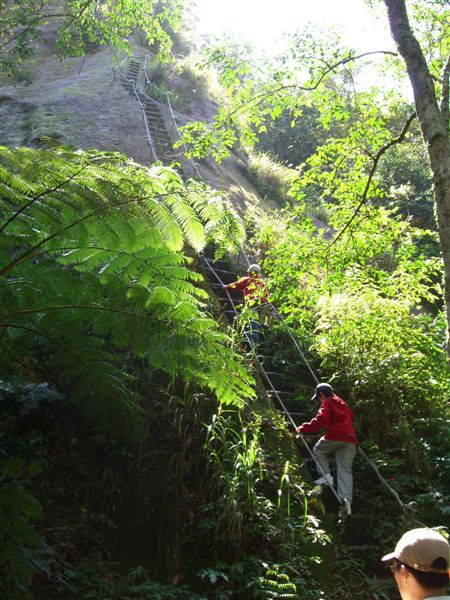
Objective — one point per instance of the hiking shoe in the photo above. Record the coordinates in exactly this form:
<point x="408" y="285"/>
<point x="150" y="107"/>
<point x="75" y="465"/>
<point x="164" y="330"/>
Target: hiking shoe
<point x="346" y="508"/>
<point x="324" y="480"/>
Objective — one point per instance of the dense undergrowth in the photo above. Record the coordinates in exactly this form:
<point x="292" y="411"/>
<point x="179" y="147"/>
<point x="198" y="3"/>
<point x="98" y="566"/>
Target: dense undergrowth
<point x="112" y="377"/>
<point x="140" y="454"/>
<point x="128" y="476"/>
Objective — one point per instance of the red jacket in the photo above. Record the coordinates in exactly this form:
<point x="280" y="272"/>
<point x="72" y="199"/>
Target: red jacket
<point x="335" y="416"/>
<point x="253" y="288"/>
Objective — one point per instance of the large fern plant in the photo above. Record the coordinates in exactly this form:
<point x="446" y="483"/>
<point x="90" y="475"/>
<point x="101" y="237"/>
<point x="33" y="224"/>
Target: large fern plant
<point x="93" y="277"/>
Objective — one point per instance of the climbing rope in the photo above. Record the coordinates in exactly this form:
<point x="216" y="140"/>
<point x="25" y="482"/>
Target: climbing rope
<point x="406" y="508"/>
<point x="132" y="84"/>
<point x="264" y="373"/>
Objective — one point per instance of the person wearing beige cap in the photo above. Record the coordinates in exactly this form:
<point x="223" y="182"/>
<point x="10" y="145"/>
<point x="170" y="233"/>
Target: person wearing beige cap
<point x="420" y="564"/>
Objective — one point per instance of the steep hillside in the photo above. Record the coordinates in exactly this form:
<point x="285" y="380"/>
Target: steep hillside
<point x="81" y="102"/>
<point x="209" y="498"/>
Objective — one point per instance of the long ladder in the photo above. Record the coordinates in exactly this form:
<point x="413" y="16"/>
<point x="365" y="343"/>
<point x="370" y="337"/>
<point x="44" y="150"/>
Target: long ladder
<point x="406" y="508"/>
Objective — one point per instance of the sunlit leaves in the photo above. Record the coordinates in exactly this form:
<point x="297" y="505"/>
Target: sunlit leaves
<point x="82" y="22"/>
<point x="370" y="303"/>
<point x="204" y="139"/>
<point x="93" y="275"/>
<point x="432" y="24"/>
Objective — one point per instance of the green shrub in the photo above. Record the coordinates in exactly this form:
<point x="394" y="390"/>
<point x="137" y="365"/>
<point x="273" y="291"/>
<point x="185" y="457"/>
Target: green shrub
<point x="20" y="510"/>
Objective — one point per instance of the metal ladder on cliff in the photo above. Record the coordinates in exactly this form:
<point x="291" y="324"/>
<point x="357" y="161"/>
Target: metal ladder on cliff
<point x="267" y="377"/>
<point x="161" y="147"/>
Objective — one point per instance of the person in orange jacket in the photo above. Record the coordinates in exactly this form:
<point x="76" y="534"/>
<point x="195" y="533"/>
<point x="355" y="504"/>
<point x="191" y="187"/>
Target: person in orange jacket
<point x="339" y="441"/>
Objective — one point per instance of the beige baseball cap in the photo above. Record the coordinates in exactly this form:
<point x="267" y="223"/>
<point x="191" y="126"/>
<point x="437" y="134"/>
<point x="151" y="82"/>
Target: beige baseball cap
<point x="419" y="548"/>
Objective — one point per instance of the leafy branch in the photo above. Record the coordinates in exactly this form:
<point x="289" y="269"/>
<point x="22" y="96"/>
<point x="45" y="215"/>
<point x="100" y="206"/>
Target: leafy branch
<point x="375" y="160"/>
<point x="258" y="99"/>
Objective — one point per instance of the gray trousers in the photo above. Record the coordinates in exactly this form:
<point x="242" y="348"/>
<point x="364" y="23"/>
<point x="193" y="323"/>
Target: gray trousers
<point x="344" y="453"/>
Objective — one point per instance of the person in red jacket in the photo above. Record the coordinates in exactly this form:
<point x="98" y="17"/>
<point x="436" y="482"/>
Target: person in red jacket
<point x="252" y="286"/>
<point x="339" y="441"/>
<point x="255" y="296"/>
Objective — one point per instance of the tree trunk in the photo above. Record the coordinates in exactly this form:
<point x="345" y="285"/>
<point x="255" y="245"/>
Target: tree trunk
<point x="433" y="121"/>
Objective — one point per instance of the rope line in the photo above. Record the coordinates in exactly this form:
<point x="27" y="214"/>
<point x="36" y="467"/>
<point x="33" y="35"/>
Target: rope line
<point x="406" y="508"/>
<point x="269" y="382"/>
<point x="130" y="82"/>
<point x="361" y="452"/>
<point x="403" y="506"/>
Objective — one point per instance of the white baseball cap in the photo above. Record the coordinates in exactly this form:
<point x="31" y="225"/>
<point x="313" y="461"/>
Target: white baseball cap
<point x="420" y="548"/>
<point x="254" y="269"/>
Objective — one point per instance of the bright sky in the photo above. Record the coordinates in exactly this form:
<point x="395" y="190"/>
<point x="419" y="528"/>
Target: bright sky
<point x="262" y="22"/>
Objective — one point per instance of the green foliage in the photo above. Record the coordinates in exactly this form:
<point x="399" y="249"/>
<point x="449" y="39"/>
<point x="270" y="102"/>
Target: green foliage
<point x="93" y="275"/>
<point x="237" y="580"/>
<point x="100" y="581"/>
<point x="237" y="456"/>
<point x="203" y="139"/>
<point x="362" y="296"/>
<point x="190" y="83"/>
<point x="277" y="585"/>
<point x="367" y="308"/>
<point x="402" y="359"/>
<point x="259" y="495"/>
<point x="363" y="293"/>
<point x="83" y="22"/>
<point x="294" y="136"/>
<point x="431" y="22"/>
<point x="182" y="80"/>
<point x="406" y="181"/>
<point x="306" y="89"/>
<point x="20" y="511"/>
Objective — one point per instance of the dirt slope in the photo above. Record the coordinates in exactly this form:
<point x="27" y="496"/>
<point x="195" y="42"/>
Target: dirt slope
<point x="80" y="102"/>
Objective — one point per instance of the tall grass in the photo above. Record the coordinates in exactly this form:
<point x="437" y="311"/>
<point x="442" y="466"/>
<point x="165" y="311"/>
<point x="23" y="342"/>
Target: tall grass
<point x="272" y="179"/>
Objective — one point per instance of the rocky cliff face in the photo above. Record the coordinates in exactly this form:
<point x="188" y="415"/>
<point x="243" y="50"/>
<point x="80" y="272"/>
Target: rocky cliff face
<point x="81" y="102"/>
<point x="76" y="101"/>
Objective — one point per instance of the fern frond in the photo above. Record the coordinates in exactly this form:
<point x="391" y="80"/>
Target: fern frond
<point x="188" y="220"/>
<point x="92" y="275"/>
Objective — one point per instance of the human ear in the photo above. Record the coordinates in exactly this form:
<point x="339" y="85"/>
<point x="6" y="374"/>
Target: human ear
<point x="404" y="574"/>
